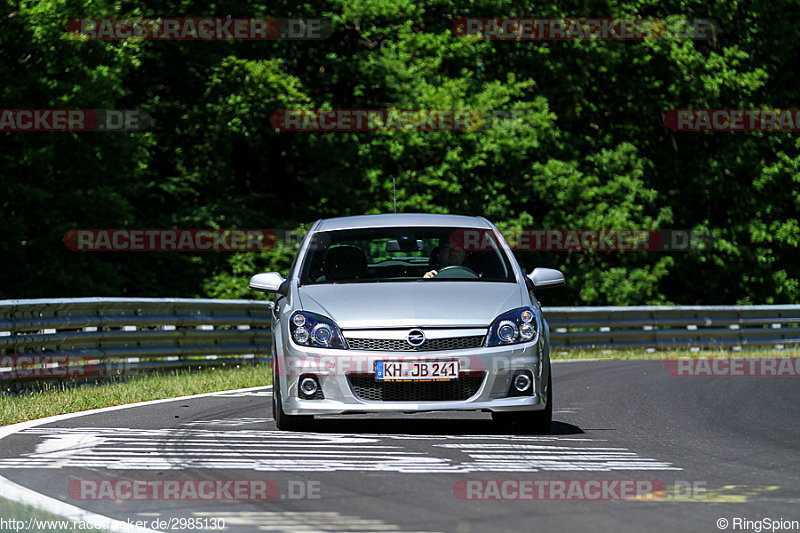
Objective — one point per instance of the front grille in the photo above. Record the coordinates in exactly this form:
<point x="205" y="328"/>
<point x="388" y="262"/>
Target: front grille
<point x="366" y="387"/>
<point x="401" y="345"/>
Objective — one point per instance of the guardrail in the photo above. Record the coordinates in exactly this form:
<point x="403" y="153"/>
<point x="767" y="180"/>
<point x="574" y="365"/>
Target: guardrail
<point x="659" y="327"/>
<point x="110" y="336"/>
<point x="88" y="337"/>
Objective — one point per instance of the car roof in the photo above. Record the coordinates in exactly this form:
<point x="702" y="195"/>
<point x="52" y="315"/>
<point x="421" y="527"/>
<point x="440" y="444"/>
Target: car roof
<point x="400" y="220"/>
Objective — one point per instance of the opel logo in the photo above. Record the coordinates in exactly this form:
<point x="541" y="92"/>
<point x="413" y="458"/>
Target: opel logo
<point x="415" y="337"/>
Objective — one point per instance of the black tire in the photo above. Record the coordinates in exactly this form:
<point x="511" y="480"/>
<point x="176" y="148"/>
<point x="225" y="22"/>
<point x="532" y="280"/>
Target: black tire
<point x="283" y="421"/>
<point x="504" y="420"/>
<point x="537" y="422"/>
<point x="533" y="422"/>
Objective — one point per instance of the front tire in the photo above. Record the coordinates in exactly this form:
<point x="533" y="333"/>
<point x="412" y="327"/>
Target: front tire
<point x="533" y="422"/>
<point x="283" y="421"/>
<point x="538" y="422"/>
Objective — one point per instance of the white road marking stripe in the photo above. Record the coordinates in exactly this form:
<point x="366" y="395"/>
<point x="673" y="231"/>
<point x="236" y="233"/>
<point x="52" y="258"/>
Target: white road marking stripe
<point x="215" y="455"/>
<point x="241" y="394"/>
<point x="257" y="450"/>
<point x="19" y="494"/>
<point x="519" y="446"/>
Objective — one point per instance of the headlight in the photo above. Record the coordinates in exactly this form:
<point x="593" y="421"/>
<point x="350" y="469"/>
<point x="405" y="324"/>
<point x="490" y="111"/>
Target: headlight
<point x="317" y="331"/>
<point x="514" y="327"/>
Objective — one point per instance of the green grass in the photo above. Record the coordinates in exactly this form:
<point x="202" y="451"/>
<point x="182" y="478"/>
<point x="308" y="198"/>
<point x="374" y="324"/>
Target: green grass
<point x="52" y="400"/>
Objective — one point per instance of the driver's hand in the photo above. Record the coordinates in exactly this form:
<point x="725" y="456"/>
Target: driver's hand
<point x="429" y="274"/>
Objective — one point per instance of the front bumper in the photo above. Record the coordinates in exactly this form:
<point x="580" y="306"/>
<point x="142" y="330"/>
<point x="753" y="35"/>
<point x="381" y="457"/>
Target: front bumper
<point x="332" y="367"/>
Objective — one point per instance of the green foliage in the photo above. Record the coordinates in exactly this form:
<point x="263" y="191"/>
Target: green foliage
<point x="231" y="281"/>
<point x="590" y="151"/>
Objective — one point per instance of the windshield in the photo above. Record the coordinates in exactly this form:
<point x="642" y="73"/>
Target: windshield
<point x="425" y="254"/>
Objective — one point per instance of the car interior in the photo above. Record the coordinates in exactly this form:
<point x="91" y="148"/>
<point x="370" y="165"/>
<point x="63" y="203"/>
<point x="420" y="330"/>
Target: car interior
<point x="364" y="258"/>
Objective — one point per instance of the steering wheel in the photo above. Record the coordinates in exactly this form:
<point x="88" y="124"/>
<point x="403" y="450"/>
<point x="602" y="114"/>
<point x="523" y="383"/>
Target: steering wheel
<point x="456" y="271"/>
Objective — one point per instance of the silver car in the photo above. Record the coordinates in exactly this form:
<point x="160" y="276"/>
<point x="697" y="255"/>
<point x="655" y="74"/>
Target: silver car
<point x="409" y="313"/>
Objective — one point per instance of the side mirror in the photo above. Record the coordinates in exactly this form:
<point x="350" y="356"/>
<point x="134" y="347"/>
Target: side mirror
<point x="546" y="278"/>
<point x="270" y="282"/>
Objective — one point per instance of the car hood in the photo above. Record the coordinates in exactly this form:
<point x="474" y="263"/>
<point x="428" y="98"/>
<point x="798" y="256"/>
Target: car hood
<point x="411" y="304"/>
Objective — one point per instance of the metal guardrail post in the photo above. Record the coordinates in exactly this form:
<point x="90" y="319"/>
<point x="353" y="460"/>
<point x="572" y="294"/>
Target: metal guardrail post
<point x="41" y="339"/>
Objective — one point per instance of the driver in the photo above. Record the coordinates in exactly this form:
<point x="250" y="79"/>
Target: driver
<point x="446" y="256"/>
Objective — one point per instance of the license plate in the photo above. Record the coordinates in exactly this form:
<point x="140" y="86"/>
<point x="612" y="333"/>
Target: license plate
<point x="416" y="370"/>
